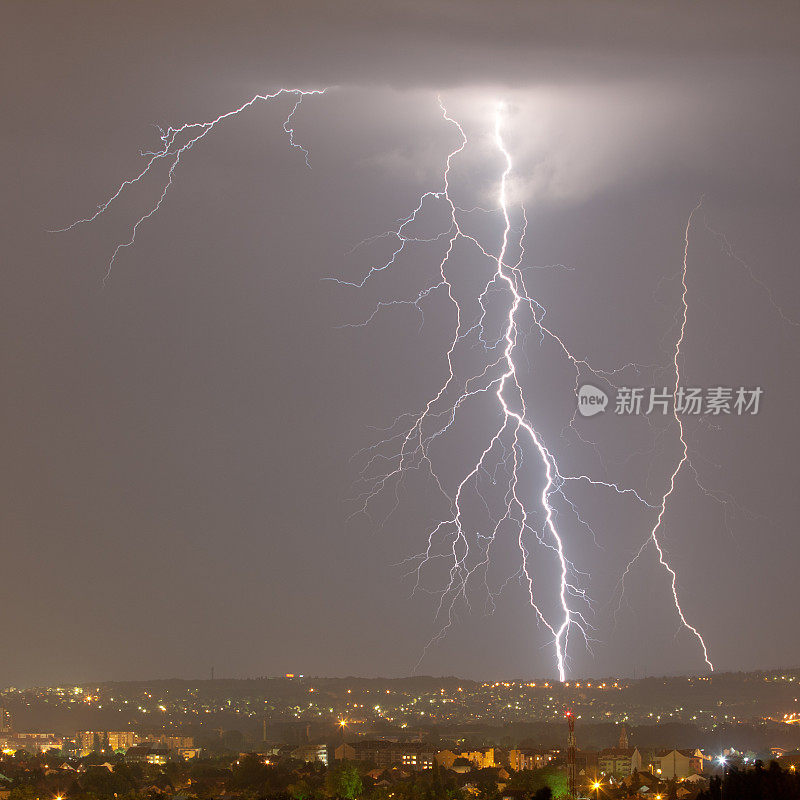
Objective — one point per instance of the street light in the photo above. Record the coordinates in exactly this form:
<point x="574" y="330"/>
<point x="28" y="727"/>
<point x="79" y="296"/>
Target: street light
<point x="723" y="762"/>
<point x="596" y="787"/>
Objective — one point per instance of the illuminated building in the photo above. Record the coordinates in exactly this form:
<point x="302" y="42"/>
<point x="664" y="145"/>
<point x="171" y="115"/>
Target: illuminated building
<point x="618" y="762"/>
<point x="676" y="763"/>
<point x="479" y="759"/>
<point x="311" y="753"/>
<point x="91" y="741"/>
<point x="32" y="742"/>
<point x="417" y="759"/>
<point x="172" y="742"/>
<point x="413" y="756"/>
<point x="147" y="753"/>
<point x="528" y="759"/>
<point x="121" y="740"/>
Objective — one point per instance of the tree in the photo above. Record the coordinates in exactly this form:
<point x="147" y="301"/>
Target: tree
<point x="486" y="781"/>
<point x="301" y="790"/>
<point x="126" y="774"/>
<point x="252" y="773"/>
<point x="526" y="780"/>
<point x="345" y="782"/>
<point x="26" y="792"/>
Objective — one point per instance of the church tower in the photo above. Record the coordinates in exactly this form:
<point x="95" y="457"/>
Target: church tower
<point x="623" y="739"/>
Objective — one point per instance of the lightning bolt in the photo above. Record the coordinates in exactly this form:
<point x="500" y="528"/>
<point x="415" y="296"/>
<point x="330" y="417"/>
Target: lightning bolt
<point x="466" y="546"/>
<point x="682" y="461"/>
<point x="175" y="143"/>
<point x="560" y="632"/>
<point x="494" y="323"/>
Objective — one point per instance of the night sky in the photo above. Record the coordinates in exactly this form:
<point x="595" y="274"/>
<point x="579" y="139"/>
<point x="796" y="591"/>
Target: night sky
<point x="177" y="466"/>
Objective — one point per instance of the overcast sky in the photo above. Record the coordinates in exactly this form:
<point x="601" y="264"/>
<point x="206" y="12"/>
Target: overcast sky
<point x="177" y="443"/>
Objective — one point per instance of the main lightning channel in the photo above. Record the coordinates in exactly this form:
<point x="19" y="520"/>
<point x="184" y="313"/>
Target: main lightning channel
<point x="561" y="631"/>
<point x="455" y="538"/>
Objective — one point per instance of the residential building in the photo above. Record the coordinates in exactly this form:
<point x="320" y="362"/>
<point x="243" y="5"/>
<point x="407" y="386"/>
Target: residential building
<point x="479" y="759"/>
<point x="417" y="757"/>
<point x="529" y="759"/>
<point x="483" y="758"/>
<point x="676" y="763"/>
<point x="121" y="740"/>
<point x="413" y="755"/>
<point x="618" y="762"/>
<point x="92" y="741"/>
<point x="171" y="741"/>
<point x="446" y="758"/>
<point x="31" y="742"/>
<point x="311" y="753"/>
<point x="147" y="753"/>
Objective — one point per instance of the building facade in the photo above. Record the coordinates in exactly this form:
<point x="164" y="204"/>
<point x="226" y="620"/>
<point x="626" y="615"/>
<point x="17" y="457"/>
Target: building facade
<point x="618" y="762"/>
<point x="311" y="753"/>
<point x="529" y="759"/>
<point x="412" y="755"/>
<point x="669" y="764"/>
<point x="479" y="759"/>
<point x="91" y="741"/>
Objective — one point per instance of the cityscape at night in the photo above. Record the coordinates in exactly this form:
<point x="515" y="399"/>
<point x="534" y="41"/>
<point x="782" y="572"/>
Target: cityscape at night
<point x="399" y="400"/>
<point x="369" y="705"/>
<point x="497" y="738"/>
